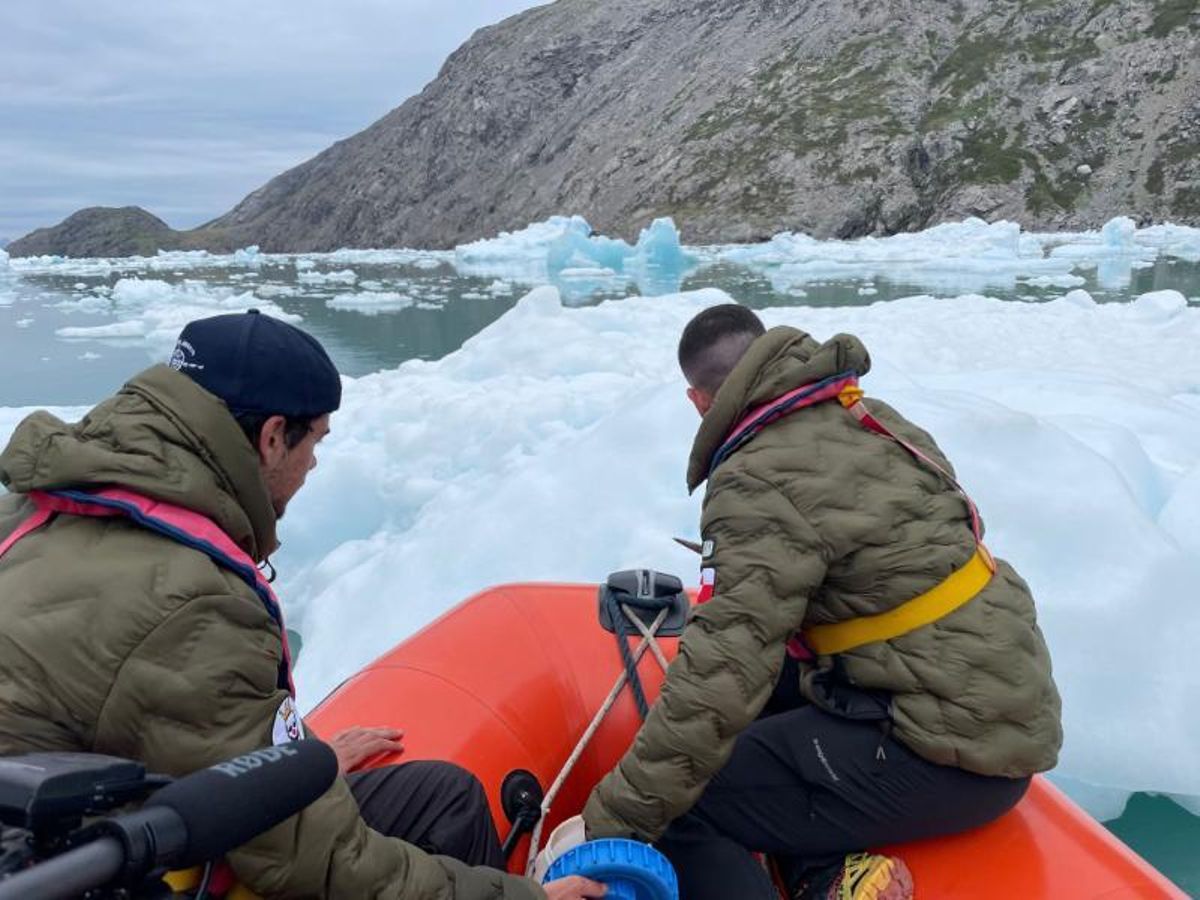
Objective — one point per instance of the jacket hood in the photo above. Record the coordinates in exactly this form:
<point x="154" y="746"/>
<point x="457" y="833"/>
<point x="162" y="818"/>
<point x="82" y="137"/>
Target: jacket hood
<point x="161" y="435"/>
<point x="781" y="360"/>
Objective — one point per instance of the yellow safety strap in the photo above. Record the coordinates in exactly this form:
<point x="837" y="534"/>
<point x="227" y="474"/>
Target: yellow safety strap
<point x="184" y="881"/>
<point x="941" y="600"/>
<point x="181" y="880"/>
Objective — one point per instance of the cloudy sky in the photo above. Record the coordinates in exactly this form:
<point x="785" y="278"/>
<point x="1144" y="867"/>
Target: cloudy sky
<point x="185" y="106"/>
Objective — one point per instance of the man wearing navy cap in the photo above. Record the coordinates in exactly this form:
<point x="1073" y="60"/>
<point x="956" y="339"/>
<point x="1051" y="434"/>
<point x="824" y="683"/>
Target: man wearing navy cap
<point x="135" y="621"/>
<point x="278" y="383"/>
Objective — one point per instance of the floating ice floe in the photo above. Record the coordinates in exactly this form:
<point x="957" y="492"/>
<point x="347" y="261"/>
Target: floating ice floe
<point x="1056" y="281"/>
<point x="518" y="255"/>
<point x="165" y="261"/>
<point x="154" y="312"/>
<point x="565" y="250"/>
<point x="964" y="256"/>
<point x="270" y="291"/>
<point x="421" y="259"/>
<point x="134" y="328"/>
<point x="87" y="303"/>
<point x="248" y="256"/>
<point x="370" y="303"/>
<point x="969" y="256"/>
<point x="1177" y="241"/>
<point x="342" y="276"/>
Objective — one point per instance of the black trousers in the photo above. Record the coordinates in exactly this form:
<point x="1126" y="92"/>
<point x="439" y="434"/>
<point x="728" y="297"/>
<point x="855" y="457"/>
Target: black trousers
<point x="808" y="787"/>
<point x="436" y="806"/>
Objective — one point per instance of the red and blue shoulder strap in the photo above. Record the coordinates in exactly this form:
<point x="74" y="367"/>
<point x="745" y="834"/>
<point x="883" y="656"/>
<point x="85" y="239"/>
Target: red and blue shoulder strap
<point x="182" y="525"/>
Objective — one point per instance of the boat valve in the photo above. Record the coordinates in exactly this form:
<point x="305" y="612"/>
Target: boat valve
<point x="521" y="798"/>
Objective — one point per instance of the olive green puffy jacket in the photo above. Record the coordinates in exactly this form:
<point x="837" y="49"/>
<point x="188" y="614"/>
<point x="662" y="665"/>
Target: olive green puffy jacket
<point x="117" y="640"/>
<point x="819" y="520"/>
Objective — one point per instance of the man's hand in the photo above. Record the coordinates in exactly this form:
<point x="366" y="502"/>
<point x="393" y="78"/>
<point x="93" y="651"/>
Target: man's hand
<point x="574" y="887"/>
<point x="355" y="746"/>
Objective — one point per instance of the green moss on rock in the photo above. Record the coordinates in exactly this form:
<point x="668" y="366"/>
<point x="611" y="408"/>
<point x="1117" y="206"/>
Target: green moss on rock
<point x="1154" y="178"/>
<point x="1173" y="14"/>
<point x="1186" y="202"/>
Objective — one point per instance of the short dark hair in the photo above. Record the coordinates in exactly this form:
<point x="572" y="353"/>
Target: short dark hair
<point x="714" y="341"/>
<point x="294" y="429"/>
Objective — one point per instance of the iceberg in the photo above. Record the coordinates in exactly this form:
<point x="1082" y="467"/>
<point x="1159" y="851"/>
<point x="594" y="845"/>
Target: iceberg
<point x="1117" y="236"/>
<point x="658" y="262"/>
<point x="567" y="253"/>
<point x="1115" y="251"/>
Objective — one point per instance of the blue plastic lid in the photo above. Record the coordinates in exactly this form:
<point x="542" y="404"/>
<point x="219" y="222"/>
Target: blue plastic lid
<point x="632" y="870"/>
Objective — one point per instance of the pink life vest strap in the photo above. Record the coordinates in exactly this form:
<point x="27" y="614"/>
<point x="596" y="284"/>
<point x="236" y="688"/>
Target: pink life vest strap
<point x="40" y="516"/>
<point x="761" y="416"/>
<point x="844" y="387"/>
<point x="181" y="525"/>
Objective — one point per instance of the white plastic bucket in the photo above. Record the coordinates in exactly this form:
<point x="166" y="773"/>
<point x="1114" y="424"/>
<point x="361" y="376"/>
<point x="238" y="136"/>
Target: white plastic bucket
<point x="570" y="833"/>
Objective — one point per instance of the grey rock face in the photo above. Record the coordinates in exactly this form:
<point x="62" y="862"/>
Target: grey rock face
<point x="743" y="118"/>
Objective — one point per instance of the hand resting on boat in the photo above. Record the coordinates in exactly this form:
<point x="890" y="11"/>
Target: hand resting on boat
<point x="354" y="747"/>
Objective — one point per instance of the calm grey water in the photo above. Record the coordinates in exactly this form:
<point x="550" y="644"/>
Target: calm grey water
<point x="39" y="367"/>
<point x="446" y="309"/>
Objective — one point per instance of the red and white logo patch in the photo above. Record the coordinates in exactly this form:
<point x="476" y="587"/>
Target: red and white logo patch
<point x="708" y="581"/>
<point x="287" y="725"/>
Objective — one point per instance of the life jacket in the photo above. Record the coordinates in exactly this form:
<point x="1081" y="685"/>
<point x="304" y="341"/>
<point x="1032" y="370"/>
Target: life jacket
<point x="954" y="591"/>
<point x="192" y="529"/>
<point x="184" y="526"/>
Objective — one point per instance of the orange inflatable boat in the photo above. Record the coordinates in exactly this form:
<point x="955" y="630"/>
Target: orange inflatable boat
<point x="510" y="679"/>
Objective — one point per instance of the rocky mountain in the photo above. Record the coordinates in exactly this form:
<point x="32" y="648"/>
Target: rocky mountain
<point x="743" y="118"/>
<point x="113" y="231"/>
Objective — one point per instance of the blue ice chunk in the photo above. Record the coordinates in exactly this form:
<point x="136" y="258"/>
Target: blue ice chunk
<point x="247" y="256"/>
<point x="659" y="262"/>
<point x="1117" y="236"/>
<point x="567" y="252"/>
<point x="574" y="250"/>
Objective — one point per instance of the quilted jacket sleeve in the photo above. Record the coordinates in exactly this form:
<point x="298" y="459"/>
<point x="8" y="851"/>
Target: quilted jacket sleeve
<point x="768" y="560"/>
<point x="201" y="688"/>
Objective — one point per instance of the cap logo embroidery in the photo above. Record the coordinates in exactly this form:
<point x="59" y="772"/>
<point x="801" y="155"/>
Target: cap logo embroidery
<point x="179" y="357"/>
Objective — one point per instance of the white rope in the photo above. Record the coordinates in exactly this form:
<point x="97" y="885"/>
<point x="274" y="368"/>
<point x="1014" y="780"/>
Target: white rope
<point x="648" y="632"/>
<point x="647" y="642"/>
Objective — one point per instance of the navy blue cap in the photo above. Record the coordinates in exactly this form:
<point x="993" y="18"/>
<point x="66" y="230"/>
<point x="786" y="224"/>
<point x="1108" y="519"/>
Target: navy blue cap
<point x="258" y="364"/>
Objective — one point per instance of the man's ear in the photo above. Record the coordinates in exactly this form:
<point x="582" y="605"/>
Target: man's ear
<point x="272" y="446"/>
<point x="700" y="399"/>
